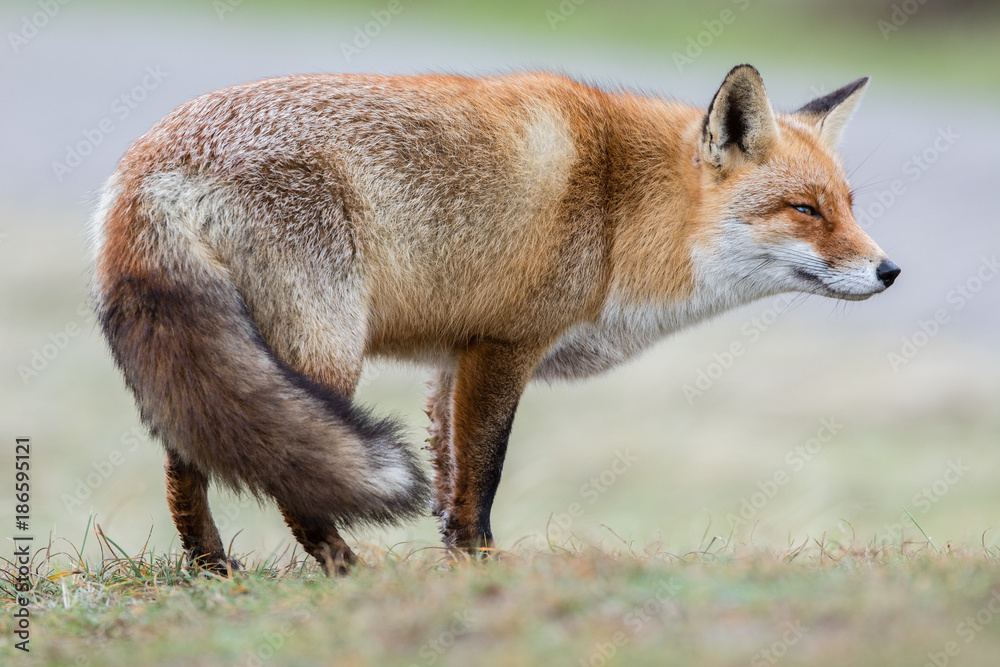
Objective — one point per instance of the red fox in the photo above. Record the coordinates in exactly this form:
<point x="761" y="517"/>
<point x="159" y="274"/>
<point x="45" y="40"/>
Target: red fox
<point x="261" y="242"/>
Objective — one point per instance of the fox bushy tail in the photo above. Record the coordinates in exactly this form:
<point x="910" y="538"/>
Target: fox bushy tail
<point x="215" y="393"/>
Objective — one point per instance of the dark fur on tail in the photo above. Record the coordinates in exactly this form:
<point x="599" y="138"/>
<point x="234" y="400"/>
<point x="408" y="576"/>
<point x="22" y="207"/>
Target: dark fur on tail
<point x="214" y="392"/>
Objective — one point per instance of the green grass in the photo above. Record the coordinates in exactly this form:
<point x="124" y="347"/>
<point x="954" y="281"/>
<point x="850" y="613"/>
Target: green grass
<point x="821" y="603"/>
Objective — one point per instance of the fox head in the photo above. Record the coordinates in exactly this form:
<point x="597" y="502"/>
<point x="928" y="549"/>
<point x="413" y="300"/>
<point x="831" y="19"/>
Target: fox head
<point x="782" y="204"/>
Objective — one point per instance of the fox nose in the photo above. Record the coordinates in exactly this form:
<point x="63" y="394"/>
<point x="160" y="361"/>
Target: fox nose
<point x="887" y="272"/>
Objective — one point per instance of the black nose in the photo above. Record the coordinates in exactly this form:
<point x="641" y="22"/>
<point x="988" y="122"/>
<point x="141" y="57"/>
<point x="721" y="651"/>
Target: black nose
<point x="887" y="272"/>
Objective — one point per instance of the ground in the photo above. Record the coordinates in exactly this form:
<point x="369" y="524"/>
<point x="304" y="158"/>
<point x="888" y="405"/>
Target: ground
<point x="813" y="604"/>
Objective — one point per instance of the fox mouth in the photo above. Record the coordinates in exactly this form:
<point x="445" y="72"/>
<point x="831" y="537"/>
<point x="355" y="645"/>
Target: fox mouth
<point x="850" y="296"/>
<point x="818" y="286"/>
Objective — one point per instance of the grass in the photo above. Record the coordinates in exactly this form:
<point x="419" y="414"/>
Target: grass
<point x="818" y="602"/>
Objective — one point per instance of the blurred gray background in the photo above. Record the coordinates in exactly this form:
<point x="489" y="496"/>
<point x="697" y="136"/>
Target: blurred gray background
<point x="911" y="379"/>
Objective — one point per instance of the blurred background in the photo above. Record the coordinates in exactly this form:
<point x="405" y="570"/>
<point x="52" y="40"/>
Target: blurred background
<point x="835" y="419"/>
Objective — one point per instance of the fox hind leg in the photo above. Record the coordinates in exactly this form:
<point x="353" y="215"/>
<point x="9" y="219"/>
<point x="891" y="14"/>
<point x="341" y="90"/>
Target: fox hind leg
<point x="321" y="540"/>
<point x="187" y="497"/>
<point x="317" y="533"/>
<point x="442" y="454"/>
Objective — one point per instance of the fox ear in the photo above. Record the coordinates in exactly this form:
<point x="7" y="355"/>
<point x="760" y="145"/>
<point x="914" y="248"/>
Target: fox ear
<point x="830" y="113"/>
<point x="740" y="123"/>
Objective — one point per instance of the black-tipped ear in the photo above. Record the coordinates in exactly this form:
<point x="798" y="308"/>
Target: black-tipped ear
<point x="740" y="123"/>
<point x="830" y="113"/>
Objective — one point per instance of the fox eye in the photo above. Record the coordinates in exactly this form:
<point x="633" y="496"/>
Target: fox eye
<point x="803" y="208"/>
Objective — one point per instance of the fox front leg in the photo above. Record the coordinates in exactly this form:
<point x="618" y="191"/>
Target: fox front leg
<point x="440" y="390"/>
<point x="488" y="384"/>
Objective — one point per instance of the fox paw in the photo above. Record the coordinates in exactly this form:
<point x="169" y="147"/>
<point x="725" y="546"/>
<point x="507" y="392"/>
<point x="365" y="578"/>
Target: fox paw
<point x="217" y="563"/>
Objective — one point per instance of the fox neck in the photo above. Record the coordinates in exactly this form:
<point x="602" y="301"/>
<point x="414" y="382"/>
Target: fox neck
<point x="672" y="265"/>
